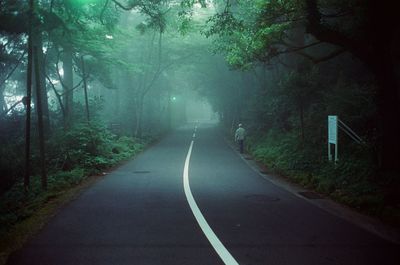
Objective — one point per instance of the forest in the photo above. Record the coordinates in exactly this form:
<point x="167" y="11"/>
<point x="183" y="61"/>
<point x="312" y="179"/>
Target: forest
<point x="87" y="84"/>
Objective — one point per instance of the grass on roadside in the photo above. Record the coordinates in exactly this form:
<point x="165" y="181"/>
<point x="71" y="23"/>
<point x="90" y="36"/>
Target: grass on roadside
<point x="32" y="215"/>
<point x="352" y="181"/>
<point x="85" y="153"/>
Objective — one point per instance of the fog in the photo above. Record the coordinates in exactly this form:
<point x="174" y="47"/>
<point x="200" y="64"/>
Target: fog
<point x="158" y="80"/>
<point x="87" y="84"/>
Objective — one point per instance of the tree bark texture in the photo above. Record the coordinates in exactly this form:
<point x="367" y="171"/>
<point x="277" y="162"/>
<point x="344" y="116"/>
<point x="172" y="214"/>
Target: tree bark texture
<point x="28" y="107"/>
<point x="3" y="106"/>
<point x="139" y="116"/>
<point x="38" y="42"/>
<point x="85" y="89"/>
<point x="39" y="110"/>
<point x="68" y="84"/>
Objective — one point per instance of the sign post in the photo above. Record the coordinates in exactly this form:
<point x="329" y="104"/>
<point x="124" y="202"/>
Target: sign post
<point x="332" y="137"/>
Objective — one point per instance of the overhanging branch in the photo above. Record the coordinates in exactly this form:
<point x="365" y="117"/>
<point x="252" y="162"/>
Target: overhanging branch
<point x="323" y="33"/>
<point x="325" y="58"/>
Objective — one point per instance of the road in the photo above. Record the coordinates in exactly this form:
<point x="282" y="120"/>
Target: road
<point x="141" y="213"/>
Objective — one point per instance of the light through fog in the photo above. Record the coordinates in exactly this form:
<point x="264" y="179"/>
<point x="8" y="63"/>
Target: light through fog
<point x="176" y="119"/>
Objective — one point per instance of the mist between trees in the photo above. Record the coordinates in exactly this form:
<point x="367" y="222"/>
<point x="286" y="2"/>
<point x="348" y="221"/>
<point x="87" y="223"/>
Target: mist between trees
<point x="107" y="77"/>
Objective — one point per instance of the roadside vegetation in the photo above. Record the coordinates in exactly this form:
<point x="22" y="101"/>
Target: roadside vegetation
<point x="76" y="159"/>
<point x="353" y="180"/>
<point x="296" y="143"/>
<point x="85" y="85"/>
<point x="82" y="89"/>
<point x="298" y="62"/>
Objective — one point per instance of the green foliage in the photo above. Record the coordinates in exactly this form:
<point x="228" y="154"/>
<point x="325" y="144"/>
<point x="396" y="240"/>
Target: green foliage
<point x="284" y="151"/>
<point x="286" y="118"/>
<point x="249" y="31"/>
<point x="11" y="150"/>
<point x="90" y="146"/>
<point x="351" y="180"/>
<point x="83" y="150"/>
<point x="10" y="164"/>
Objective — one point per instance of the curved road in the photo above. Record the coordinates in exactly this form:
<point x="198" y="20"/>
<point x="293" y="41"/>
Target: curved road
<point x="140" y="214"/>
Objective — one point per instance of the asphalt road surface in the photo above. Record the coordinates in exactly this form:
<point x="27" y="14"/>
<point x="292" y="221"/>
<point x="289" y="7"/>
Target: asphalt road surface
<point x="219" y="211"/>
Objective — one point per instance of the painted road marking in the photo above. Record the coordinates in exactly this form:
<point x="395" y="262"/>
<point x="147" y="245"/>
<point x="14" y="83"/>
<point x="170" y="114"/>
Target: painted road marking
<point x="223" y="253"/>
<point x="194" y="135"/>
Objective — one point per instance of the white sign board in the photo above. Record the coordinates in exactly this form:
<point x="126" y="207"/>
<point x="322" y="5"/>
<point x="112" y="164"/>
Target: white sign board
<point x="332" y="129"/>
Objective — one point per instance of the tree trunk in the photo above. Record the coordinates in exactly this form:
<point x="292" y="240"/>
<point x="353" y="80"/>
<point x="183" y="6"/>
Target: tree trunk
<point x="38" y="42"/>
<point x="302" y="122"/>
<point x="28" y="104"/>
<point x="39" y="110"/>
<point x="139" y="117"/>
<point x="117" y="98"/>
<point x="85" y="89"/>
<point x="378" y="58"/>
<point x="68" y="84"/>
<point x="3" y="106"/>
<point x="389" y="115"/>
<point x="169" y="110"/>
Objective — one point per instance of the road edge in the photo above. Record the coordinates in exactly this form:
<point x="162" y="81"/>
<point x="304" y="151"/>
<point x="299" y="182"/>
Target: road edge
<point x="363" y="221"/>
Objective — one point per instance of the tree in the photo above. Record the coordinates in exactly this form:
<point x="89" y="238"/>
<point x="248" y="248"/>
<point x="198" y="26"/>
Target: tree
<point x="258" y="31"/>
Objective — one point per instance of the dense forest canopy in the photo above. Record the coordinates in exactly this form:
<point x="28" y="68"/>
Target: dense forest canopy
<point x="93" y="73"/>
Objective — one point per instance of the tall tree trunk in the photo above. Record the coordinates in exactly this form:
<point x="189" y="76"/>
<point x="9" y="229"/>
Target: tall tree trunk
<point x="28" y="103"/>
<point x="117" y="98"/>
<point x="169" y="110"/>
<point x="3" y="106"/>
<point x="68" y="84"/>
<point x="302" y="127"/>
<point x="382" y="37"/>
<point x="38" y="42"/>
<point x="389" y="115"/>
<point x="39" y="108"/>
<point x="139" y="116"/>
<point x="85" y="89"/>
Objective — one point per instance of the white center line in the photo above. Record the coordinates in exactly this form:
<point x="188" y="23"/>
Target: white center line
<point x="223" y="253"/>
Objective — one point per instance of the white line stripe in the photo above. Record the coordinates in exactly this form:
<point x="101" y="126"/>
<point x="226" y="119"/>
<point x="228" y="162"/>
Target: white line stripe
<point x="194" y="135"/>
<point x="223" y="253"/>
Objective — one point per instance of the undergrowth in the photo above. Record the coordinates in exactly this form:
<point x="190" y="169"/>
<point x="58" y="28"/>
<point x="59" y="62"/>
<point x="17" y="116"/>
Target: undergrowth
<point x="354" y="180"/>
<point x="72" y="156"/>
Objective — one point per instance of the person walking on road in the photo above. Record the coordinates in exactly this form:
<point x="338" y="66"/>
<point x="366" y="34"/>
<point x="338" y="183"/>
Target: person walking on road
<point x="239" y="137"/>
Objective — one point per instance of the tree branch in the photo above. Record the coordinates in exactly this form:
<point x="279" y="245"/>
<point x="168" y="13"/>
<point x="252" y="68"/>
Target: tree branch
<point x="126" y="8"/>
<point x="299" y="48"/>
<point x="102" y="11"/>
<point x="11" y="108"/>
<point x="58" y="96"/>
<point x="320" y="31"/>
<point x="14" y="68"/>
<point x="67" y="89"/>
<point x="323" y="58"/>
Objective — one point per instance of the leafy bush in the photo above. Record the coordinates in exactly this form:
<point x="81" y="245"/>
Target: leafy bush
<point x="83" y="150"/>
<point x="91" y="147"/>
<point x="350" y="181"/>
<point x="11" y="164"/>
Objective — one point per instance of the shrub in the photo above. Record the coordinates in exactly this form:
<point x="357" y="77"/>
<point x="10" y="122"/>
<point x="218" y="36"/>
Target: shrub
<point x="351" y="180"/>
<point x="85" y="149"/>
